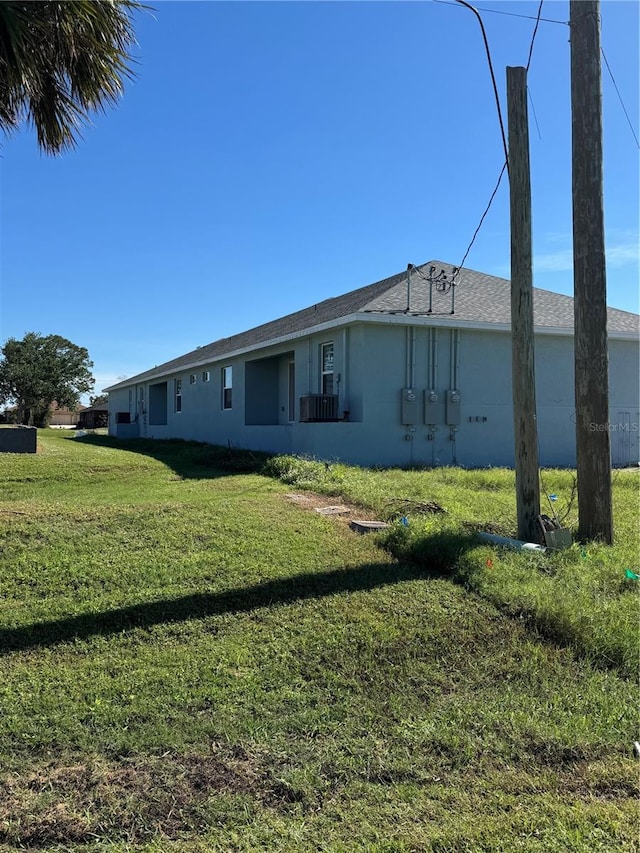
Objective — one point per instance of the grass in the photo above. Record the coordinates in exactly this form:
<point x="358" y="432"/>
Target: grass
<point x="191" y="662"/>
<point x="580" y="596"/>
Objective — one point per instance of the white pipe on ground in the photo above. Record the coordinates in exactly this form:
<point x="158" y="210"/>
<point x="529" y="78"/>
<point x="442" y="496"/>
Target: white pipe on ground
<point x="516" y="544"/>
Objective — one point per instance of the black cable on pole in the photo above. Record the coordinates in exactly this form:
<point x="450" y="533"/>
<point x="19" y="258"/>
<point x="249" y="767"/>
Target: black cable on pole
<point x="533" y="37"/>
<point x="493" y="77"/>
<point x="482" y="218"/>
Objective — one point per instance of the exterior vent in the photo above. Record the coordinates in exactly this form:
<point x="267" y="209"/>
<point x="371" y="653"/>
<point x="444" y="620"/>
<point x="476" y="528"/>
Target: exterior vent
<point x="319" y="407"/>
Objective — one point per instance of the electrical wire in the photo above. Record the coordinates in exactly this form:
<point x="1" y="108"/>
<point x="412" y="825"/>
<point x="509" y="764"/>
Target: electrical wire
<point x="533" y="39"/>
<point x="482" y="218"/>
<point x="533" y="110"/>
<point x="512" y="14"/>
<point x="613" y="80"/>
<point x="535" y="31"/>
<point x="538" y="18"/>
<point x="493" y="76"/>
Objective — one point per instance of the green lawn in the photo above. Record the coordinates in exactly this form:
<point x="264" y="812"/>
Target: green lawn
<point x="191" y="662"/>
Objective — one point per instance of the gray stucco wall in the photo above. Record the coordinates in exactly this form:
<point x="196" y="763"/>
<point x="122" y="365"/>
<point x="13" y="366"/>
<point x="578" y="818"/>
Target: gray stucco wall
<point x="373" y="363"/>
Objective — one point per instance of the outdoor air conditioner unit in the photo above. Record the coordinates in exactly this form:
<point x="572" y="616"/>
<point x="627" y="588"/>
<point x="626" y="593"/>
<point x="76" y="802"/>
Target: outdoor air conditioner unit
<point x="319" y="407"/>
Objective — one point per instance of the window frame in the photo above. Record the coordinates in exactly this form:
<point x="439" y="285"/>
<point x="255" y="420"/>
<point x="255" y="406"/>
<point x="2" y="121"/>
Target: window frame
<point x="326" y="376"/>
<point x="177" y="396"/>
<point x="206" y="376"/>
<point x="227" y="387"/>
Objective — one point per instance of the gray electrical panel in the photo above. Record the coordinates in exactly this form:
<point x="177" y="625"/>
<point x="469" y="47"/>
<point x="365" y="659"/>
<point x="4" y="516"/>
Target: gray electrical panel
<point x="432" y="407"/>
<point x="409" y="406"/>
<point x="453" y="408"/>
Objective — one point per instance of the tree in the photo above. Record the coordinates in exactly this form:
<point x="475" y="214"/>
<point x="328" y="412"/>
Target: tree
<point x="61" y="61"/>
<point x="37" y="371"/>
<point x="99" y="400"/>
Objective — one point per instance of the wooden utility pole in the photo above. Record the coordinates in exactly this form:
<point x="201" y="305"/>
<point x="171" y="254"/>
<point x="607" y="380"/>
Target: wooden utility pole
<point x="593" y="452"/>
<point x="522" y="348"/>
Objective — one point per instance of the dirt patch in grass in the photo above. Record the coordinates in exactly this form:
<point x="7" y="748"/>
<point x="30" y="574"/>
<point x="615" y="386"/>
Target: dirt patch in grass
<point x="331" y="507"/>
<point x="129" y="799"/>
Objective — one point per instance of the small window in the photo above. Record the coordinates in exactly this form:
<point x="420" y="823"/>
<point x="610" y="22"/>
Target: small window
<point x="227" y="385"/>
<point x="206" y="376"/>
<point x="326" y="358"/>
<point x="178" y="395"/>
<point x="193" y="379"/>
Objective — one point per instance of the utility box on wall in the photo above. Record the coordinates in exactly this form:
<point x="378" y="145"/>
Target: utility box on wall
<point x="433" y="407"/>
<point x="453" y="408"/>
<point x="409" y="406"/>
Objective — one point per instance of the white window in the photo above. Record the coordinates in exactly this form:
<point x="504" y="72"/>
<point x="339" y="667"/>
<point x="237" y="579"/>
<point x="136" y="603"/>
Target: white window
<point x="227" y="385"/>
<point x="206" y="376"/>
<point x="177" y="395"/>
<point x="326" y="368"/>
<point x="193" y="379"/>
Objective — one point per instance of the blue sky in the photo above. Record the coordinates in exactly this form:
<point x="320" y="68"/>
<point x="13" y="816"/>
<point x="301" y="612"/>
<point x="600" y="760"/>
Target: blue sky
<point x="271" y="155"/>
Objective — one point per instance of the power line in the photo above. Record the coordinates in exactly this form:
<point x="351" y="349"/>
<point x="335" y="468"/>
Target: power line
<point x="619" y="96"/>
<point x="482" y="218"/>
<point x="533" y="109"/>
<point x="493" y="76"/>
<point x="533" y="37"/>
<point x="505" y="165"/>
<point x="511" y="14"/>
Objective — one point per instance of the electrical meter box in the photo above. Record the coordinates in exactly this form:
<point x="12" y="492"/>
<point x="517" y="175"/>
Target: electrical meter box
<point x="409" y="406"/>
<point x="453" y="408"/>
<point x="432" y="407"/>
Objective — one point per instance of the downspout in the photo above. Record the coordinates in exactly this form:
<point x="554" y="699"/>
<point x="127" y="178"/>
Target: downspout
<point x="435" y="358"/>
<point x="457" y="360"/>
<point x="345" y="362"/>
<point x="411" y="355"/>
<point x="407" y="375"/>
<point x="452" y="370"/>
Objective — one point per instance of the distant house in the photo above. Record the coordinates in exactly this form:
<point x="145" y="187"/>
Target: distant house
<point x="406" y="371"/>
<point x="63" y="417"/>
<point x="94" y="417"/>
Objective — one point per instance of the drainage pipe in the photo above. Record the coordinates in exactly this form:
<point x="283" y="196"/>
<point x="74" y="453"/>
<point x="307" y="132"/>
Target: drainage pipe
<point x="515" y="544"/>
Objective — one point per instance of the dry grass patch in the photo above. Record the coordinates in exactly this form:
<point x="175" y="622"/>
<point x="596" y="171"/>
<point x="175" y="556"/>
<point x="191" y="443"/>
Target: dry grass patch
<point x="131" y="799"/>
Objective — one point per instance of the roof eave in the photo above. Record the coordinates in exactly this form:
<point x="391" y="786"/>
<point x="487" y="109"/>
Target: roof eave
<point x="400" y="318"/>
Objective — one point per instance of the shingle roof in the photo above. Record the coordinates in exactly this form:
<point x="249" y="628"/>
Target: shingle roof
<point x="479" y="299"/>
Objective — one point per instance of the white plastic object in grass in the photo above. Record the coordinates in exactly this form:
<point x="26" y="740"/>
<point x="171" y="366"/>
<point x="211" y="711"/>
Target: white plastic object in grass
<point x="515" y="544"/>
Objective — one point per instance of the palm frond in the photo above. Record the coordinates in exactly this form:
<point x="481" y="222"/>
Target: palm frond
<point x="61" y="61"/>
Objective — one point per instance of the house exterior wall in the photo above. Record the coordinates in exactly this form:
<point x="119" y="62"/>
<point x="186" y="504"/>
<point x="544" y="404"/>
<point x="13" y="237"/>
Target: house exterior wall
<point x="374" y="365"/>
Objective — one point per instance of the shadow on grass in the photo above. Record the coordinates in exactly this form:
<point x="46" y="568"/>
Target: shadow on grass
<point x="201" y="605"/>
<point x="192" y="460"/>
